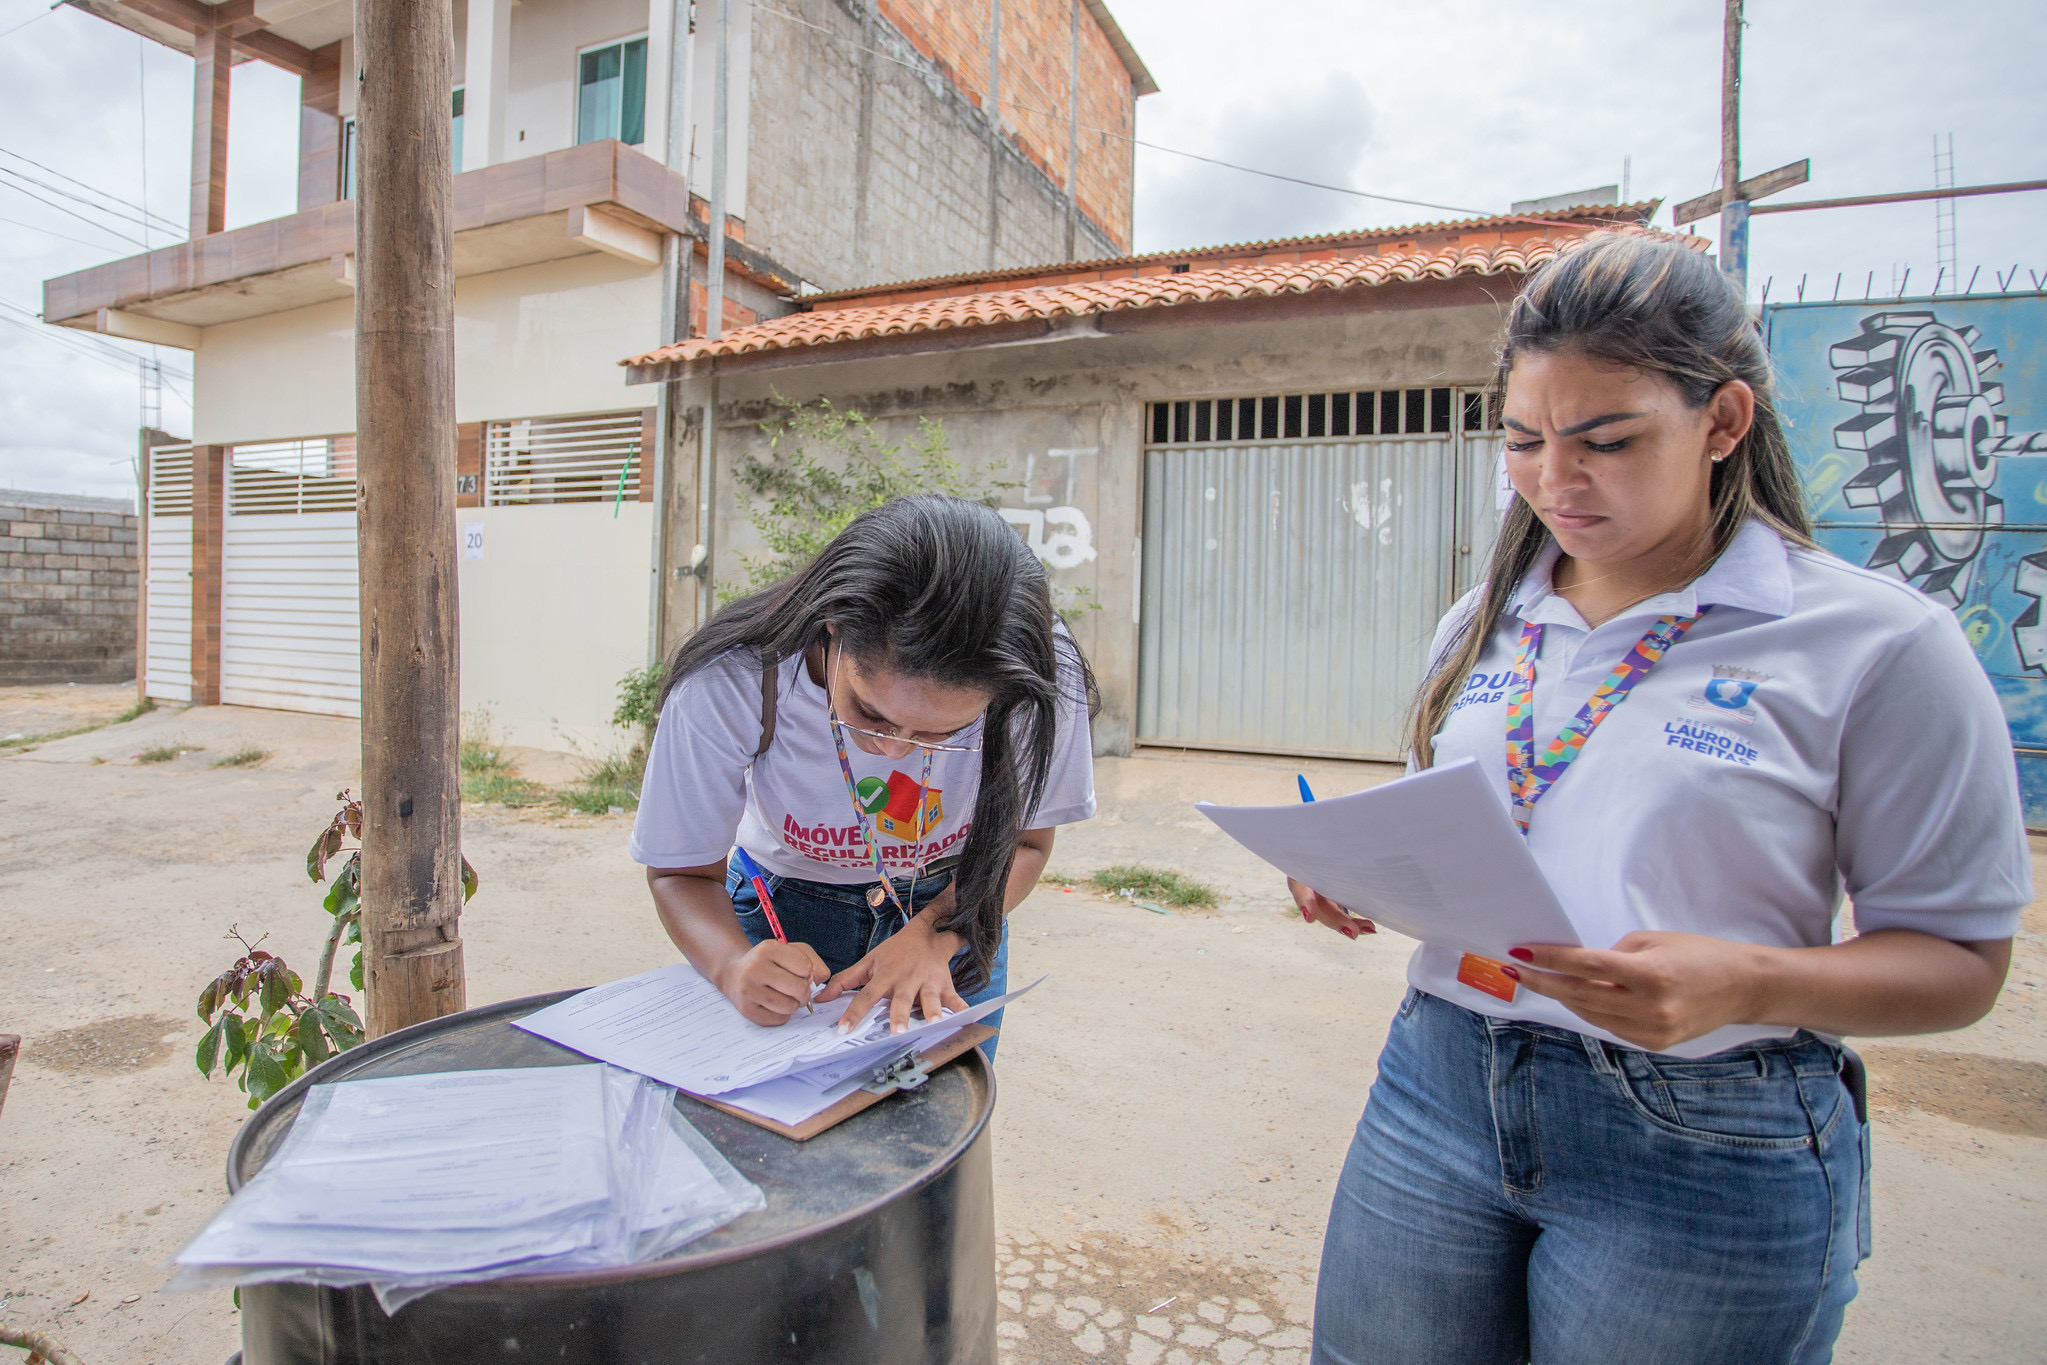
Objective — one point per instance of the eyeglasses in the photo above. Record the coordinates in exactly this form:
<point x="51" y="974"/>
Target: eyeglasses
<point x="895" y="735"/>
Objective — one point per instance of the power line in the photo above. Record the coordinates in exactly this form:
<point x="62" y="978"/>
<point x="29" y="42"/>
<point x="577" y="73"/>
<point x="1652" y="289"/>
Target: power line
<point x="26" y="22"/>
<point x="85" y="343"/>
<point x="141" y="208"/>
<point x="115" y="213"/>
<point x="69" y="213"/>
<point x="52" y="232"/>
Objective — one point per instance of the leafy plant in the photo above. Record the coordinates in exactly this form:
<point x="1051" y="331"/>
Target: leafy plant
<point x="267" y="1028"/>
<point x="1136" y="880"/>
<point x="1071" y="600"/>
<point x="607" y="784"/>
<point x="826" y="465"/>
<point x="344" y="898"/>
<point x="639" y="699"/>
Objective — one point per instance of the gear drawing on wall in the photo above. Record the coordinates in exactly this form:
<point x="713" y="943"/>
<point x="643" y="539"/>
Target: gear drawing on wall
<point x="1930" y="435"/>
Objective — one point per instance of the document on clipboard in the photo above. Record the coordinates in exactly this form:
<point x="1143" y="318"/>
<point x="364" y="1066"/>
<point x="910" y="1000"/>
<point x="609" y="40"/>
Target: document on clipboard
<point x="673" y="1025"/>
<point x="1433" y="855"/>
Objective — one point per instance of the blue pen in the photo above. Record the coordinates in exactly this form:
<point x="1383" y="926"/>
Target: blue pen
<point x="760" y="889"/>
<point x="1307" y="797"/>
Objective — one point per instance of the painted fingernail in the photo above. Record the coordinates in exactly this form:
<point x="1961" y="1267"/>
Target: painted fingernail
<point x="1349" y="932"/>
<point x="1511" y="972"/>
<point x="1304" y="916"/>
<point x="1521" y="953"/>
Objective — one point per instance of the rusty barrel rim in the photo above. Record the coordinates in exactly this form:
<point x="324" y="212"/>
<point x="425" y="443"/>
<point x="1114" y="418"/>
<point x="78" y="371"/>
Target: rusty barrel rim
<point x="682" y="1263"/>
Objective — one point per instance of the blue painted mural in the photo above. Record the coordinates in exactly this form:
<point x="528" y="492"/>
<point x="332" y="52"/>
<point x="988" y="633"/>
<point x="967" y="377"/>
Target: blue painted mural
<point x="1920" y="429"/>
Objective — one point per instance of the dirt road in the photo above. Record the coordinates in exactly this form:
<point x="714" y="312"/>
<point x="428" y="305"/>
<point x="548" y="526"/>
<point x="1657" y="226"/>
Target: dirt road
<point x="1175" y="1100"/>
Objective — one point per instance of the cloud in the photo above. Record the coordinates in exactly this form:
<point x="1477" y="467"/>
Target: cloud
<point x="73" y="94"/>
<point x="1316" y="130"/>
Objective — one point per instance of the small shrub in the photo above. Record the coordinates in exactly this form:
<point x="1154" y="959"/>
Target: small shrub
<point x="1136" y="881"/>
<point x="141" y="708"/>
<point x="164" y="753"/>
<point x="826" y="465"/>
<point x="639" y="699"/>
<point x="606" y="784"/>
<point x="488" y="774"/>
<point x="248" y="756"/>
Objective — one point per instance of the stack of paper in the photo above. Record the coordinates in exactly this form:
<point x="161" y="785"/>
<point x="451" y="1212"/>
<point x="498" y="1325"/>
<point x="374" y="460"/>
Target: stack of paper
<point x="412" y="1182"/>
<point x="672" y="1024"/>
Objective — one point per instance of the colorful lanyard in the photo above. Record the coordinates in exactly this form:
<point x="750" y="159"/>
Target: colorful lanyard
<point x="887" y="889"/>
<point x="1528" y="779"/>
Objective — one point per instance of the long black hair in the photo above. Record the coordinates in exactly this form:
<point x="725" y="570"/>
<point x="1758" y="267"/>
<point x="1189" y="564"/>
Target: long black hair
<point x="1649" y="302"/>
<point x="941" y="589"/>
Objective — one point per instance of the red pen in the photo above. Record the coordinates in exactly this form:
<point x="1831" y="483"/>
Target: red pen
<point x="760" y="889"/>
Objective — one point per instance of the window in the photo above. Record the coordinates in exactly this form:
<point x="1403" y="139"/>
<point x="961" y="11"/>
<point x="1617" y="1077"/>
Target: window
<point x="351" y="152"/>
<point x="611" y="92"/>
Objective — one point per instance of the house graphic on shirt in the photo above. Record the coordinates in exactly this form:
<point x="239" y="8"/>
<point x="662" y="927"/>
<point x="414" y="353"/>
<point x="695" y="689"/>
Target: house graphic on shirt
<point x="897" y="814"/>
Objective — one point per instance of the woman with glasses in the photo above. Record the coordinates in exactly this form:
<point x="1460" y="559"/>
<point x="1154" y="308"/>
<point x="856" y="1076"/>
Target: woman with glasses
<point x="890" y="735"/>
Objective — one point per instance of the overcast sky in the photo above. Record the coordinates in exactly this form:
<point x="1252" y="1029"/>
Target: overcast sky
<point x="1465" y="104"/>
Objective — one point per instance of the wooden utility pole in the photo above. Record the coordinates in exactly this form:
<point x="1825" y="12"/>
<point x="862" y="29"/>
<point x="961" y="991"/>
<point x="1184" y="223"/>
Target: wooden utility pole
<point x="1733" y="208"/>
<point x="405" y="431"/>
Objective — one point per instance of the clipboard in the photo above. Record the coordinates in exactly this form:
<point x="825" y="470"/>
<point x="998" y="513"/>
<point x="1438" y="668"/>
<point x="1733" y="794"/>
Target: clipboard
<point x="907" y="1072"/>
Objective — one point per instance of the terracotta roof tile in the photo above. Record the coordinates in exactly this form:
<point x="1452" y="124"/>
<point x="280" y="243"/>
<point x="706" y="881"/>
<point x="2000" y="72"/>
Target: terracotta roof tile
<point x="1582" y="218"/>
<point x="1052" y="302"/>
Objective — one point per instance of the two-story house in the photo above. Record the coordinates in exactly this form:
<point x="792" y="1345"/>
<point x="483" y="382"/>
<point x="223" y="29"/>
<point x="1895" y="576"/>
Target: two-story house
<point x="867" y="141"/>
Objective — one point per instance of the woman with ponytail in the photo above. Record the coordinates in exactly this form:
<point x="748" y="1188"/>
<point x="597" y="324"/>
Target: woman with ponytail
<point x="1653" y="1147"/>
<point x="891" y="735"/>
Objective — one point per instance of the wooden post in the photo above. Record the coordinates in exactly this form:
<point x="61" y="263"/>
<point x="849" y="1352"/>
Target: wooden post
<point x="213" y="54"/>
<point x="209" y="526"/>
<point x="1733" y="208"/>
<point x="405" y="424"/>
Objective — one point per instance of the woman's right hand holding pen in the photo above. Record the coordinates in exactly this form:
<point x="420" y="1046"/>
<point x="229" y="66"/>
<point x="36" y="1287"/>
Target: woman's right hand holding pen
<point x="1319" y="909"/>
<point x="771" y="981"/>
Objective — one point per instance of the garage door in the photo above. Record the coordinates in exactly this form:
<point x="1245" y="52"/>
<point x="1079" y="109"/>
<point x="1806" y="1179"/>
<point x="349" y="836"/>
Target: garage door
<point x="1298" y="551"/>
<point x="290" y="624"/>
<point x="167" y="587"/>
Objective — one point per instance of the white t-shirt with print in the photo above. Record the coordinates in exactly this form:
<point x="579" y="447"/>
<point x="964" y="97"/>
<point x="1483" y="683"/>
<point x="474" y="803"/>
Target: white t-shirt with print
<point x="704" y="791"/>
<point x="1822" y="729"/>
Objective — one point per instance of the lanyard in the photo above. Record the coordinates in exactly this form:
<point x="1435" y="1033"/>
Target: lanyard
<point x="1528" y="779"/>
<point x="887" y="889"/>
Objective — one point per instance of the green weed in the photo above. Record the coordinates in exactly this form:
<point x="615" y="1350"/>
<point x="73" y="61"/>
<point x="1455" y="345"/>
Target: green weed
<point x="164" y="753"/>
<point x="248" y="756"/>
<point x="1138" y="882"/>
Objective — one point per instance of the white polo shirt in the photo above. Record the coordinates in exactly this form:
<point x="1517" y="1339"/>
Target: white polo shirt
<point x="1823" y="729"/>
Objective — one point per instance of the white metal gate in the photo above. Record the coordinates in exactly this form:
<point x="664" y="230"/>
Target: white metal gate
<point x="167" y="589"/>
<point x="1298" y="551"/>
<point x="290" y="624"/>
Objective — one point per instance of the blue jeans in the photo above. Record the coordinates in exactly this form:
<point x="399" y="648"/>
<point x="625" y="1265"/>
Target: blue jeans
<point x="1517" y="1192"/>
<point x="839" y="923"/>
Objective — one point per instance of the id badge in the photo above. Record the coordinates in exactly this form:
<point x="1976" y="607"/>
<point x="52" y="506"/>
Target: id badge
<point x="1484" y="974"/>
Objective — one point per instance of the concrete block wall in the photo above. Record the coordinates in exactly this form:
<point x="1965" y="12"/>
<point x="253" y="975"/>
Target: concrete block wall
<point x="67" y="588"/>
<point x="869" y="161"/>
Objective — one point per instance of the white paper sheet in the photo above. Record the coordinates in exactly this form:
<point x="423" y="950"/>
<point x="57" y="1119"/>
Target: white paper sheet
<point x="804" y="1094"/>
<point x="1433" y="855"/>
<point x="408" y="1183"/>
<point x="675" y="1026"/>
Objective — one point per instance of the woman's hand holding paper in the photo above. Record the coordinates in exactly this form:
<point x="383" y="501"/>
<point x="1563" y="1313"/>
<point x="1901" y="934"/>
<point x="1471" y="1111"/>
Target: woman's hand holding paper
<point x="1653" y="988"/>
<point x="911" y="970"/>
<point x="1317" y="908"/>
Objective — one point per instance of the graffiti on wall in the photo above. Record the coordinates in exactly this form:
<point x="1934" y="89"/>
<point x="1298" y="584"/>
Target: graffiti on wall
<point x="1057" y="531"/>
<point x="1920" y="432"/>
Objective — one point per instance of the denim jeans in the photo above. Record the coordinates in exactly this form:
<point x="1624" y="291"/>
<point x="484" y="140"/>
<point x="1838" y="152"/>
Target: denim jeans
<point x="839" y="923"/>
<point x="1518" y="1192"/>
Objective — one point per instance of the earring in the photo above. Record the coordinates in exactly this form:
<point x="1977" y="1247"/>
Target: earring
<point x="1716" y="456"/>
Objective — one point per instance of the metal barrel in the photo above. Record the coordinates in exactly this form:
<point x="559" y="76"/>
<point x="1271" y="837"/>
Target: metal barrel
<point x="877" y="1243"/>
